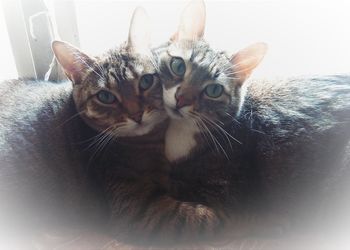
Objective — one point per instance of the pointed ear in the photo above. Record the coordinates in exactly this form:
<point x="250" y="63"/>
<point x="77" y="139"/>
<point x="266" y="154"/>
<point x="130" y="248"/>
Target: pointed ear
<point x="247" y="59"/>
<point x="192" y="22"/>
<point x="74" y="62"/>
<point x="139" y="33"/>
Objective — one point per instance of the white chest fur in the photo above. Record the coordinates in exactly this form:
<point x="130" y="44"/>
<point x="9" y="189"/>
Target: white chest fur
<point x="180" y="139"/>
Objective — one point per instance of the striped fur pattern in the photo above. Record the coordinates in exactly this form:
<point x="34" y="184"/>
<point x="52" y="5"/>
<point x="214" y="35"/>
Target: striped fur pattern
<point x="200" y="127"/>
<point x="52" y="138"/>
<point x="195" y="110"/>
<point x="260" y="153"/>
<point x="204" y="66"/>
<point x="53" y="165"/>
<point x="201" y="114"/>
<point x="52" y="135"/>
<point x="139" y="201"/>
<point x="166" y="215"/>
<point x="144" y="210"/>
<point x="119" y="72"/>
<point x="126" y="76"/>
<point x="288" y="167"/>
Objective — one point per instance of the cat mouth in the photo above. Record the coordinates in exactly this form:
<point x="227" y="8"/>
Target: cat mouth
<point x="143" y="129"/>
<point x="138" y="130"/>
<point x="148" y="124"/>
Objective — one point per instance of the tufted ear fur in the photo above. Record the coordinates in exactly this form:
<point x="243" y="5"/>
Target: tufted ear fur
<point x="74" y="62"/>
<point x="247" y="59"/>
<point x="139" y="32"/>
<point x="192" y="22"/>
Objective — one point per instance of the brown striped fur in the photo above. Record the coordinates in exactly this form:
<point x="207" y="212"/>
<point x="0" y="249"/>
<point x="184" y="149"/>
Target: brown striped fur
<point x="133" y="173"/>
<point x="219" y="158"/>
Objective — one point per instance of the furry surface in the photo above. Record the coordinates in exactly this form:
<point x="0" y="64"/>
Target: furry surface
<point x="292" y="157"/>
<point x="292" y="163"/>
<point x="43" y="168"/>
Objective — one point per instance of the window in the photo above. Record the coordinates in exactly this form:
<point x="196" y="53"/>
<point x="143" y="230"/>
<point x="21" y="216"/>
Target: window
<point x="7" y="63"/>
<point x="304" y="37"/>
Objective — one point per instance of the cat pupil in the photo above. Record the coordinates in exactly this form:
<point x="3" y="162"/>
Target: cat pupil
<point x="214" y="90"/>
<point x="178" y="66"/>
<point x="146" y="81"/>
<point x="106" y="97"/>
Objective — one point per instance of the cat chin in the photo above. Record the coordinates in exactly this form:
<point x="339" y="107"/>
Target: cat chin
<point x="180" y="139"/>
<point x="150" y="122"/>
<point x="138" y="130"/>
<point x="174" y="113"/>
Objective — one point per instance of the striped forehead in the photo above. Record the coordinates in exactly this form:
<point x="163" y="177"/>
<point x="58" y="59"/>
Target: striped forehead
<point x="202" y="65"/>
<point x="181" y="49"/>
<point x="205" y="65"/>
<point x="132" y="68"/>
<point x="120" y="73"/>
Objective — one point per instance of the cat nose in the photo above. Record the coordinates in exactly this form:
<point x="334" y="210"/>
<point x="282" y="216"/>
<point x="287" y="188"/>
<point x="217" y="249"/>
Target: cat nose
<point x="181" y="101"/>
<point x="137" y="117"/>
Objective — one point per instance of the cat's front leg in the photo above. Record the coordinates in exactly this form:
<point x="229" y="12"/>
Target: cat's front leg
<point x="146" y="214"/>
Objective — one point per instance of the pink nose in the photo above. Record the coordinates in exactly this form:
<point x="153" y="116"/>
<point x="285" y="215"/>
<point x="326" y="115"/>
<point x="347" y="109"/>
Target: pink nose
<point x="137" y="117"/>
<point x="181" y="102"/>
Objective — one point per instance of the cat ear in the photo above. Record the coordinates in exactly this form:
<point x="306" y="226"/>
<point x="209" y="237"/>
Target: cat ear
<point x="247" y="59"/>
<point x="74" y="62"/>
<point x="192" y="22"/>
<point x="139" y="33"/>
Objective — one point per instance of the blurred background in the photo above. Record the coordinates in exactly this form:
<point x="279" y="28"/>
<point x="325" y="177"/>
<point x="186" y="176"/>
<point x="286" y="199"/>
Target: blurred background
<point x="304" y="37"/>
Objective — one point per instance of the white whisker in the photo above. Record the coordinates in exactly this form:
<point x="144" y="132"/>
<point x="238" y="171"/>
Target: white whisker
<point x="214" y="139"/>
<point x="233" y="118"/>
<point x="221" y="129"/>
<point x="71" y="118"/>
<point x="201" y="129"/>
<point x="102" y="143"/>
<point x="80" y="59"/>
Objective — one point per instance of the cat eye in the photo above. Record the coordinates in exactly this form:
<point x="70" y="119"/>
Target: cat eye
<point x="106" y="97"/>
<point x="178" y="66"/>
<point x="214" y="90"/>
<point x="146" y="82"/>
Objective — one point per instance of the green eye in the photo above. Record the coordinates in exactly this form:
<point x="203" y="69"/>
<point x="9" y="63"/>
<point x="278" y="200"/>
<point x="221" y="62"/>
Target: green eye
<point x="178" y="66"/>
<point x="146" y="81"/>
<point x="106" y="97"/>
<point x="214" y="90"/>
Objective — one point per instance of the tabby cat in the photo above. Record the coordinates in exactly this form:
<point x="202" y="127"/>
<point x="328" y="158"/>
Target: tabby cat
<point x="52" y="135"/>
<point x="53" y="174"/>
<point x="251" y="154"/>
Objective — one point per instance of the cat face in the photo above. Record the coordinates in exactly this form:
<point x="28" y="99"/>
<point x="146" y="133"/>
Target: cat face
<point x="201" y="86"/>
<point x="198" y="79"/>
<point x="119" y="92"/>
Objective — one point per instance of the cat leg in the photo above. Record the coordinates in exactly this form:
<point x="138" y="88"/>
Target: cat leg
<point x="145" y="213"/>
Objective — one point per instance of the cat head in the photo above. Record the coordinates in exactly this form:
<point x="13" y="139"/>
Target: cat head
<point x="201" y="86"/>
<point x="118" y="92"/>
